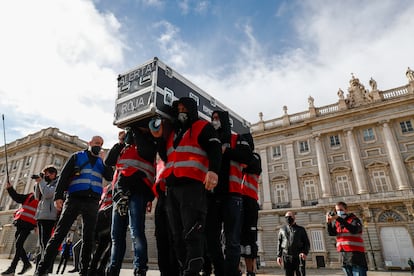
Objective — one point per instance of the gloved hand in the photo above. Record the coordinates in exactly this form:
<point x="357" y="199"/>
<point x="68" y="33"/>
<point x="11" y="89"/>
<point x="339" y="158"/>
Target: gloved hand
<point x="122" y="205"/>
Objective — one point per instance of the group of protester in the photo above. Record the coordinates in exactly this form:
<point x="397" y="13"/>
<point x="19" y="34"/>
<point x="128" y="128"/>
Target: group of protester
<point x="206" y="182"/>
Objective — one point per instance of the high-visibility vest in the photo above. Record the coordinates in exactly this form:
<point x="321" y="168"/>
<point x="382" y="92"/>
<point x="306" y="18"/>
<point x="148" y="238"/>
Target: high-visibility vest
<point x="130" y="162"/>
<point x="27" y="211"/>
<point x="236" y="171"/>
<point x="250" y="185"/>
<point x="188" y="159"/>
<point x="160" y="178"/>
<point x="89" y="177"/>
<point x="346" y="241"/>
<point x="106" y="198"/>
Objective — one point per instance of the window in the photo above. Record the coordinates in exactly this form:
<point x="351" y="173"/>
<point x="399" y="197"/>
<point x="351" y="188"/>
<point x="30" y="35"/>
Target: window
<point x="303" y="146"/>
<point x="344" y="188"/>
<point x="317" y="244"/>
<point x="380" y="181"/>
<point x="16" y="164"/>
<point x="334" y="140"/>
<point x="406" y="127"/>
<point x="310" y="190"/>
<point x="29" y="160"/>
<point x="280" y="193"/>
<point x="276" y="152"/>
<point x="369" y="134"/>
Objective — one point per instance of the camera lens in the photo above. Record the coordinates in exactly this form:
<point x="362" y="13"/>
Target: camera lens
<point x="332" y="213"/>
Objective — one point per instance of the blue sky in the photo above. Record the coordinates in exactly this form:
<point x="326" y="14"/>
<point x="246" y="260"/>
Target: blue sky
<point x="59" y="58"/>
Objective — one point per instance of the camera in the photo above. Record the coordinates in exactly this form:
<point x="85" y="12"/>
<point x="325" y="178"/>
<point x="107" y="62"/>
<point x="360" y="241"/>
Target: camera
<point x="36" y="176"/>
<point x="332" y="213"/>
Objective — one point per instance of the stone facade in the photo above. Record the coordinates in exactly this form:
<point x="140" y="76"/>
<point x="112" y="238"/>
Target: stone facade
<point x="359" y="150"/>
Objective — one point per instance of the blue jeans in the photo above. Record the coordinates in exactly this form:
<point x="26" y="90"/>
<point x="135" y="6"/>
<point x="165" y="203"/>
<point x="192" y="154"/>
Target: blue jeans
<point x="136" y="219"/>
<point x="354" y="270"/>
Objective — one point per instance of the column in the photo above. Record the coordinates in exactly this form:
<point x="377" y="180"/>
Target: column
<point x="397" y="165"/>
<point x="323" y="168"/>
<point x="293" y="177"/>
<point x="267" y="203"/>
<point x="358" y="169"/>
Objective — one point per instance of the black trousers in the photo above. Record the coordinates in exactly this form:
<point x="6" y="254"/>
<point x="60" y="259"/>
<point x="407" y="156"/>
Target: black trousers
<point x="88" y="209"/>
<point x="21" y="235"/>
<point x="45" y="228"/>
<point x="293" y="264"/>
<point x="167" y="261"/>
<point x="186" y="209"/>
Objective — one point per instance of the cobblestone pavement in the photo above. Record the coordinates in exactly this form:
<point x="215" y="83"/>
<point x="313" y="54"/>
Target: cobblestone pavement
<point x="4" y="264"/>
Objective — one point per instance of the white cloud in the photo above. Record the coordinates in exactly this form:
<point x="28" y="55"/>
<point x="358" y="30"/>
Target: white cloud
<point x="56" y="54"/>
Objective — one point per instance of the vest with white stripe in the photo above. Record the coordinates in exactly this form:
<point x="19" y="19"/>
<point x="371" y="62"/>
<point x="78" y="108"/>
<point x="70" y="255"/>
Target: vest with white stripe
<point x="346" y="241"/>
<point x="28" y="210"/>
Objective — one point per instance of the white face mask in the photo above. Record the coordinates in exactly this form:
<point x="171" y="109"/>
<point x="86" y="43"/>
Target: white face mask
<point x="216" y="124"/>
<point x="341" y="213"/>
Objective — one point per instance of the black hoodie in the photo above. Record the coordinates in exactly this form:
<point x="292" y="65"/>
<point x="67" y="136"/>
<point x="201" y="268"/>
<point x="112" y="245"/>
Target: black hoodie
<point x="207" y="138"/>
<point x="240" y="153"/>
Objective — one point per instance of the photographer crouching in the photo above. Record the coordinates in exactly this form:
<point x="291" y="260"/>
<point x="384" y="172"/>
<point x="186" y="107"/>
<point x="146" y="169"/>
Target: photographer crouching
<point x="348" y="231"/>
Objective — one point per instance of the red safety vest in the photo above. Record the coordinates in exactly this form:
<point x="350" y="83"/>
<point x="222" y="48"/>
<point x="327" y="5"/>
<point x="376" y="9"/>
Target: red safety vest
<point x="235" y="173"/>
<point x="28" y="210"/>
<point x="130" y="162"/>
<point x="250" y="185"/>
<point x="346" y="241"/>
<point x="160" y="179"/>
<point x="188" y="159"/>
<point x="106" y="198"/>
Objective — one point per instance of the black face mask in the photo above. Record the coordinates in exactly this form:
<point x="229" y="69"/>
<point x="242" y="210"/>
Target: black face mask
<point x="289" y="220"/>
<point x="96" y="150"/>
<point x="47" y="178"/>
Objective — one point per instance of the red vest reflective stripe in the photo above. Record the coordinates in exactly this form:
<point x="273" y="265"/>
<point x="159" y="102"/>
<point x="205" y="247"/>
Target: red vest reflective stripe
<point x="160" y="180"/>
<point x="346" y="241"/>
<point x="235" y="173"/>
<point x="106" y="198"/>
<point x="28" y="210"/>
<point x="250" y="185"/>
<point x="130" y="162"/>
<point x="188" y="159"/>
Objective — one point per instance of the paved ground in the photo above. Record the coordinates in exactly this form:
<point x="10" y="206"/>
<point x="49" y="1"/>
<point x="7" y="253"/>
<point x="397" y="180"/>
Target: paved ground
<point x="4" y="264"/>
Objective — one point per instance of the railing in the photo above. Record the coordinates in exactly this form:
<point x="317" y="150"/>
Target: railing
<point x="394" y="93"/>
<point x="322" y="111"/>
<point x="332" y="108"/>
<point x="299" y="117"/>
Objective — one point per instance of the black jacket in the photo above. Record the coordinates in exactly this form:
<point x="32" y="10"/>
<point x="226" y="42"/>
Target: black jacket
<point x="241" y="153"/>
<point x="293" y="240"/>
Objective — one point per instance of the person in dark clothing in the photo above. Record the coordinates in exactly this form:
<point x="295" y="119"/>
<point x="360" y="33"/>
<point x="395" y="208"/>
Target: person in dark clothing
<point x="167" y="260"/>
<point x="134" y="158"/>
<point x="192" y="154"/>
<point x="65" y="255"/>
<point x="293" y="247"/>
<point x="102" y="235"/>
<point x="250" y="214"/>
<point x="348" y="231"/>
<point x="25" y="222"/>
<point x="82" y="177"/>
<point x="225" y="202"/>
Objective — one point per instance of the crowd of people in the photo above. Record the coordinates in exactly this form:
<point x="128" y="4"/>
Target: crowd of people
<point x="205" y="179"/>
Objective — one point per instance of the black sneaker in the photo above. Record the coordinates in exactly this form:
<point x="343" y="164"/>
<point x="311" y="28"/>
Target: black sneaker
<point x="25" y="268"/>
<point x="8" y="272"/>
